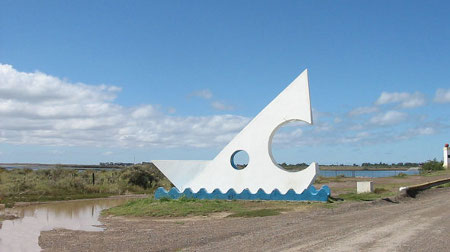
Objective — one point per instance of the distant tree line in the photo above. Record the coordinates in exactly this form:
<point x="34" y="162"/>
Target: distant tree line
<point x="114" y="164"/>
<point x="381" y="164"/>
<point x="301" y="166"/>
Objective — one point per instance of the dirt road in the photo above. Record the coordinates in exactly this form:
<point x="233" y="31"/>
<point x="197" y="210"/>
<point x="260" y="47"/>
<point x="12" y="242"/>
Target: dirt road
<point x="421" y="224"/>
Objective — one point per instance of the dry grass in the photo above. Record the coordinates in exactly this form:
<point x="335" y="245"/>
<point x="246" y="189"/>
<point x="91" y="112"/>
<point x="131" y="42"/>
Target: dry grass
<point x="195" y="207"/>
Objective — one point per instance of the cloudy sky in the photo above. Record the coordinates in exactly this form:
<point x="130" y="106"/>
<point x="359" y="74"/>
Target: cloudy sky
<point x="93" y="81"/>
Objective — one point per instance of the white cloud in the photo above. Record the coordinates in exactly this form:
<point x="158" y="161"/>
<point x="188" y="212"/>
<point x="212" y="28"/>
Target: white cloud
<point x="358" y="137"/>
<point x="389" y="118"/>
<point x="406" y="100"/>
<point x="418" y="131"/>
<point x="357" y="126"/>
<point x="442" y="96"/>
<point x="204" y="93"/>
<point x="145" y="111"/>
<point x="363" y="111"/>
<point x="221" y="106"/>
<point x="39" y="87"/>
<point x="424" y="131"/>
<point x="207" y="95"/>
<point x="36" y="108"/>
<point x="288" y="137"/>
<point x="317" y="115"/>
<point x="323" y="127"/>
<point x="383" y="125"/>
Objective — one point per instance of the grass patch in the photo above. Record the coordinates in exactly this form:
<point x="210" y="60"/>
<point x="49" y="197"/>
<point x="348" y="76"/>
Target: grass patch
<point x="392" y="187"/>
<point x="324" y="180"/>
<point x="444" y="185"/>
<point x="380" y="190"/>
<point x="172" y="208"/>
<point x="256" y="213"/>
<point x="366" y="196"/>
<point x="194" y="207"/>
<point x="401" y="175"/>
<point x="434" y="173"/>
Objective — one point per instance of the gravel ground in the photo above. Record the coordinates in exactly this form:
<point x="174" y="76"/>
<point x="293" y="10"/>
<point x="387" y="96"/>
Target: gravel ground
<point x="346" y="185"/>
<point x="420" y="224"/>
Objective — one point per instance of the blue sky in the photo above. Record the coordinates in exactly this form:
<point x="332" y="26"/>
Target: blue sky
<point x="92" y="81"/>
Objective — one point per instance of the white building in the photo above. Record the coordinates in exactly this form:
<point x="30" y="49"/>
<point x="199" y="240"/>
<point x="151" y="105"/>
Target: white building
<point x="446" y="157"/>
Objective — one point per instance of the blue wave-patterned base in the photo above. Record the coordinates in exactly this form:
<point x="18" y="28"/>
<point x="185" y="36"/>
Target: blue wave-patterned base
<point x="310" y="194"/>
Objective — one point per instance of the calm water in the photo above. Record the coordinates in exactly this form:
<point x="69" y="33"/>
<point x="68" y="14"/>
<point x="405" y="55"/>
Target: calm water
<point x="367" y="174"/>
<point x="23" y="234"/>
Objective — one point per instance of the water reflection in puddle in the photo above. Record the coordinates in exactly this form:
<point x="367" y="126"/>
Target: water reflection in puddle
<point x="23" y="234"/>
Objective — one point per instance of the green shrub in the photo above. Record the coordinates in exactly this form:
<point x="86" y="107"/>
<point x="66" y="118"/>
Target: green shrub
<point x="432" y="165"/>
<point x="380" y="190"/>
<point x="139" y="176"/>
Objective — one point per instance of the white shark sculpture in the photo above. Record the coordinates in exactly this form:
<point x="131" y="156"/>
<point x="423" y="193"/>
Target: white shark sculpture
<point x="292" y="104"/>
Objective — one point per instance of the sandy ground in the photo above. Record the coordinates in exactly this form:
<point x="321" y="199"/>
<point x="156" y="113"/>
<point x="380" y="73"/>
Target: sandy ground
<point x="418" y="224"/>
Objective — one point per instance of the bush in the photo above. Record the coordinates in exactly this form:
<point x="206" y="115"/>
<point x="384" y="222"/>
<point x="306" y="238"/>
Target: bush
<point x="59" y="183"/>
<point x="380" y="190"/>
<point x="139" y="176"/>
<point x="432" y="165"/>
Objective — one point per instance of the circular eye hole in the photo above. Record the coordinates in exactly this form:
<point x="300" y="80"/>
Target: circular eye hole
<point x="239" y="159"/>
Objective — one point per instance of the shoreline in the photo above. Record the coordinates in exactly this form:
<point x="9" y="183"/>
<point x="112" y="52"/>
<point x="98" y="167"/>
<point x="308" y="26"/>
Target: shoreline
<point x="30" y="203"/>
<point x="10" y="213"/>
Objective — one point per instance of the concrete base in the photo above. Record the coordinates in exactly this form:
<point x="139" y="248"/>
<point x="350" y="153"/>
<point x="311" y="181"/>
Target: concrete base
<point x="310" y="194"/>
<point x="364" y="187"/>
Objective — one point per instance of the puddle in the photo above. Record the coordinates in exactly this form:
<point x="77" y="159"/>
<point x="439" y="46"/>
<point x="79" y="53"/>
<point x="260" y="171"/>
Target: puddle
<point x="22" y="234"/>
